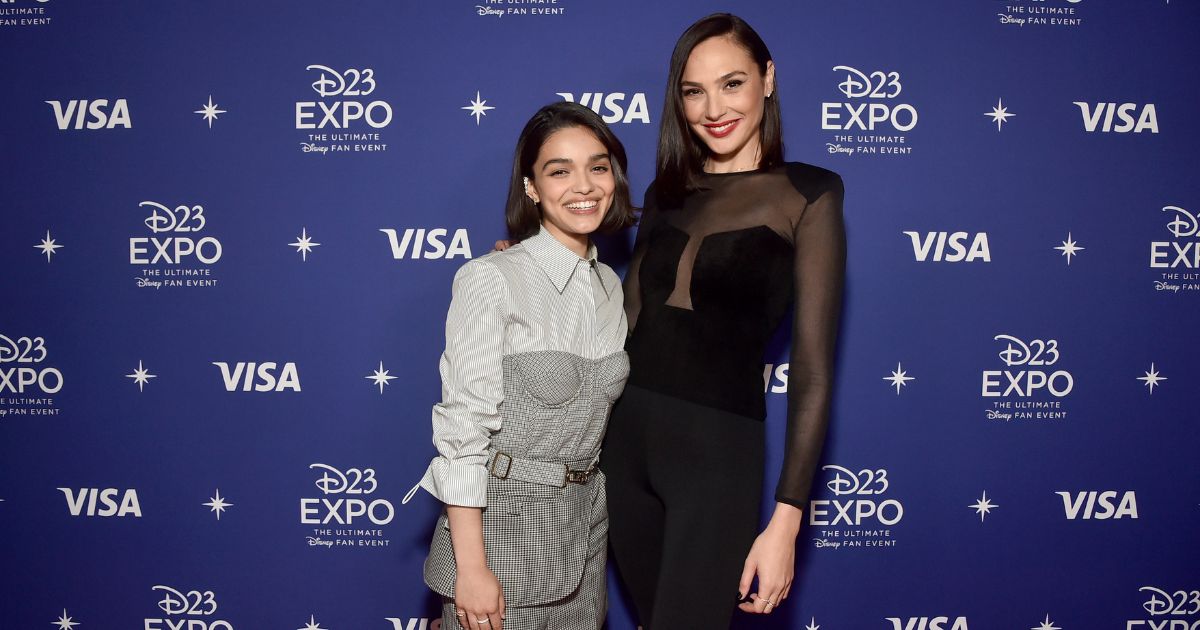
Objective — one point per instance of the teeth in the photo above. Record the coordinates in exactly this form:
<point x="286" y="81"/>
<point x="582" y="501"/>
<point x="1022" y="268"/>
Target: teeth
<point x="582" y="205"/>
<point x="723" y="127"/>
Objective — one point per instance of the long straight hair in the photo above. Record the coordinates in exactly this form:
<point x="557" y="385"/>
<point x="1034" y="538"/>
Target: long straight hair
<point x="681" y="154"/>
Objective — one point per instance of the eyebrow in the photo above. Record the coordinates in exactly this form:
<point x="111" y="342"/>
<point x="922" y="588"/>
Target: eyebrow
<point x="729" y="75"/>
<point x="594" y="158"/>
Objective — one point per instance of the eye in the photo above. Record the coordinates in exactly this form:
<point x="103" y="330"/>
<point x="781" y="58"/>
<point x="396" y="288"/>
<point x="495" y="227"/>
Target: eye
<point x="600" y="168"/>
<point x="691" y="92"/>
<point x="557" y="172"/>
<point x="734" y="84"/>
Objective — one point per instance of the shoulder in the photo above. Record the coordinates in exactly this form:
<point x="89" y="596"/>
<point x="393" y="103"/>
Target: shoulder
<point x="650" y="199"/>
<point x="499" y="262"/>
<point x="652" y="188"/>
<point x="813" y="181"/>
<point x="481" y="275"/>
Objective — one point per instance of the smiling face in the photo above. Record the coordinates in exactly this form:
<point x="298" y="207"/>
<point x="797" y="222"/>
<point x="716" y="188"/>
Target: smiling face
<point x="572" y="181"/>
<point x="723" y="92"/>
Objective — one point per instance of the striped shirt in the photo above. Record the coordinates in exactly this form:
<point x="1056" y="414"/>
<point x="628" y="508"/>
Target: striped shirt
<point x="536" y="295"/>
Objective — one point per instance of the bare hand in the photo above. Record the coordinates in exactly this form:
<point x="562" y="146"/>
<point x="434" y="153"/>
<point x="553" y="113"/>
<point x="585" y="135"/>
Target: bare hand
<point x="478" y="600"/>
<point x="502" y="245"/>
<point x="772" y="558"/>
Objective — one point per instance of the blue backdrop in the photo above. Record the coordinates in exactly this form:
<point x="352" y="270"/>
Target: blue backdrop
<point x="228" y="232"/>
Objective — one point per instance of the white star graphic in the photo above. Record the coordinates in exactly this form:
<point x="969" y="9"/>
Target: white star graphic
<point x="217" y="504"/>
<point x="141" y="376"/>
<point x="1152" y="378"/>
<point x="303" y="244"/>
<point x="983" y="506"/>
<point x="999" y="114"/>
<point x="478" y="107"/>
<point x="64" y="622"/>
<point x="1046" y="625"/>
<point x="209" y="112"/>
<point x="380" y="377"/>
<point x="1069" y="248"/>
<point x="812" y="625"/>
<point x="48" y="246"/>
<point x="898" y="378"/>
<point x="312" y="624"/>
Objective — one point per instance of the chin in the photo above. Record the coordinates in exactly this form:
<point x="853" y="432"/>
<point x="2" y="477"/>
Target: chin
<point x="587" y="228"/>
<point x="722" y="147"/>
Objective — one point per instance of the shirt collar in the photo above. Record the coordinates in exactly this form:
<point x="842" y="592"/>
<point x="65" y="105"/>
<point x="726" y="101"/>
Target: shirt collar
<point x="557" y="260"/>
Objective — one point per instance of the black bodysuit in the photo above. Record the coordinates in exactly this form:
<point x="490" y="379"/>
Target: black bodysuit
<point x="709" y="284"/>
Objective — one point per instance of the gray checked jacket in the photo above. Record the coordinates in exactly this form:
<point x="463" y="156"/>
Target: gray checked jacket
<point x="533" y="363"/>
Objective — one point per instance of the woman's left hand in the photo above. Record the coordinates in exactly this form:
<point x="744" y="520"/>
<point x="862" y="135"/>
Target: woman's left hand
<point x="773" y="559"/>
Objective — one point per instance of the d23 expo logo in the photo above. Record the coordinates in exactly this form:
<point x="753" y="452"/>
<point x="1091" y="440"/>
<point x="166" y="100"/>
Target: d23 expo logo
<point x="186" y="610"/>
<point x="175" y="255"/>
<point x="871" y="121"/>
<point x="858" y="516"/>
<point x="511" y="8"/>
<point x="1035" y="389"/>
<point x="344" y="120"/>
<point x="346" y="515"/>
<point x="24" y="16"/>
<point x="27" y="384"/>
<point x="1167" y="610"/>
<point x="1176" y="262"/>
<point x="1046" y="13"/>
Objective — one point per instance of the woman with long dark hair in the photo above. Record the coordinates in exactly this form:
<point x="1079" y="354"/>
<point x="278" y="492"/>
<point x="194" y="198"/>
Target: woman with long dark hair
<point x="731" y="236"/>
<point x="533" y="362"/>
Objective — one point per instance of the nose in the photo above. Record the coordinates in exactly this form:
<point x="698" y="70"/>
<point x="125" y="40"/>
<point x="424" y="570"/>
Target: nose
<point x="583" y="184"/>
<point x="714" y="107"/>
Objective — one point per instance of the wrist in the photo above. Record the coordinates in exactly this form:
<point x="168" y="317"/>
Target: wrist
<point x="469" y="566"/>
<point x="786" y="519"/>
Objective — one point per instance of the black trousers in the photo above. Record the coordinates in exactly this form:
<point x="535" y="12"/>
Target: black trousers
<point x="684" y="488"/>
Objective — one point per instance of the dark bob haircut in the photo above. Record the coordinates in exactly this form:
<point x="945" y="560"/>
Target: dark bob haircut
<point x="681" y="154"/>
<point x="524" y="218"/>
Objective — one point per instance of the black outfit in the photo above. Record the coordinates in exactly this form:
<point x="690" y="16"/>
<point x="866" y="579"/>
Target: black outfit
<point x="710" y="281"/>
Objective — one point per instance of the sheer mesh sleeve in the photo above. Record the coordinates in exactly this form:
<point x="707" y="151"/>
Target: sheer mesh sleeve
<point x="820" y="261"/>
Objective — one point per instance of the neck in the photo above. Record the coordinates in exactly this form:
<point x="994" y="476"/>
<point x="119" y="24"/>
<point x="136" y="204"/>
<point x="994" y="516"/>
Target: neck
<point x="577" y="243"/>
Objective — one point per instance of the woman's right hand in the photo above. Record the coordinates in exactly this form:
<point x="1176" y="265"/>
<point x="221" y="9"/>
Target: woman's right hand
<point x="502" y="245"/>
<point x="478" y="599"/>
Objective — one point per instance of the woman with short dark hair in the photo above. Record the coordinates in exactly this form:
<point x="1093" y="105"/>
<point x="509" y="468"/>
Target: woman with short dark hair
<point x="533" y="362"/>
<point x="731" y="237"/>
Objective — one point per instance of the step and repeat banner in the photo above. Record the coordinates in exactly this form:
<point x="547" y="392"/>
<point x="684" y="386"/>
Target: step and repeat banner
<point x="228" y="232"/>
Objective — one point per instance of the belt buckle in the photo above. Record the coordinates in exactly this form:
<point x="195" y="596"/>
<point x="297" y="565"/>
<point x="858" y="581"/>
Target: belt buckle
<point x="579" y="476"/>
<point x="507" y="466"/>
